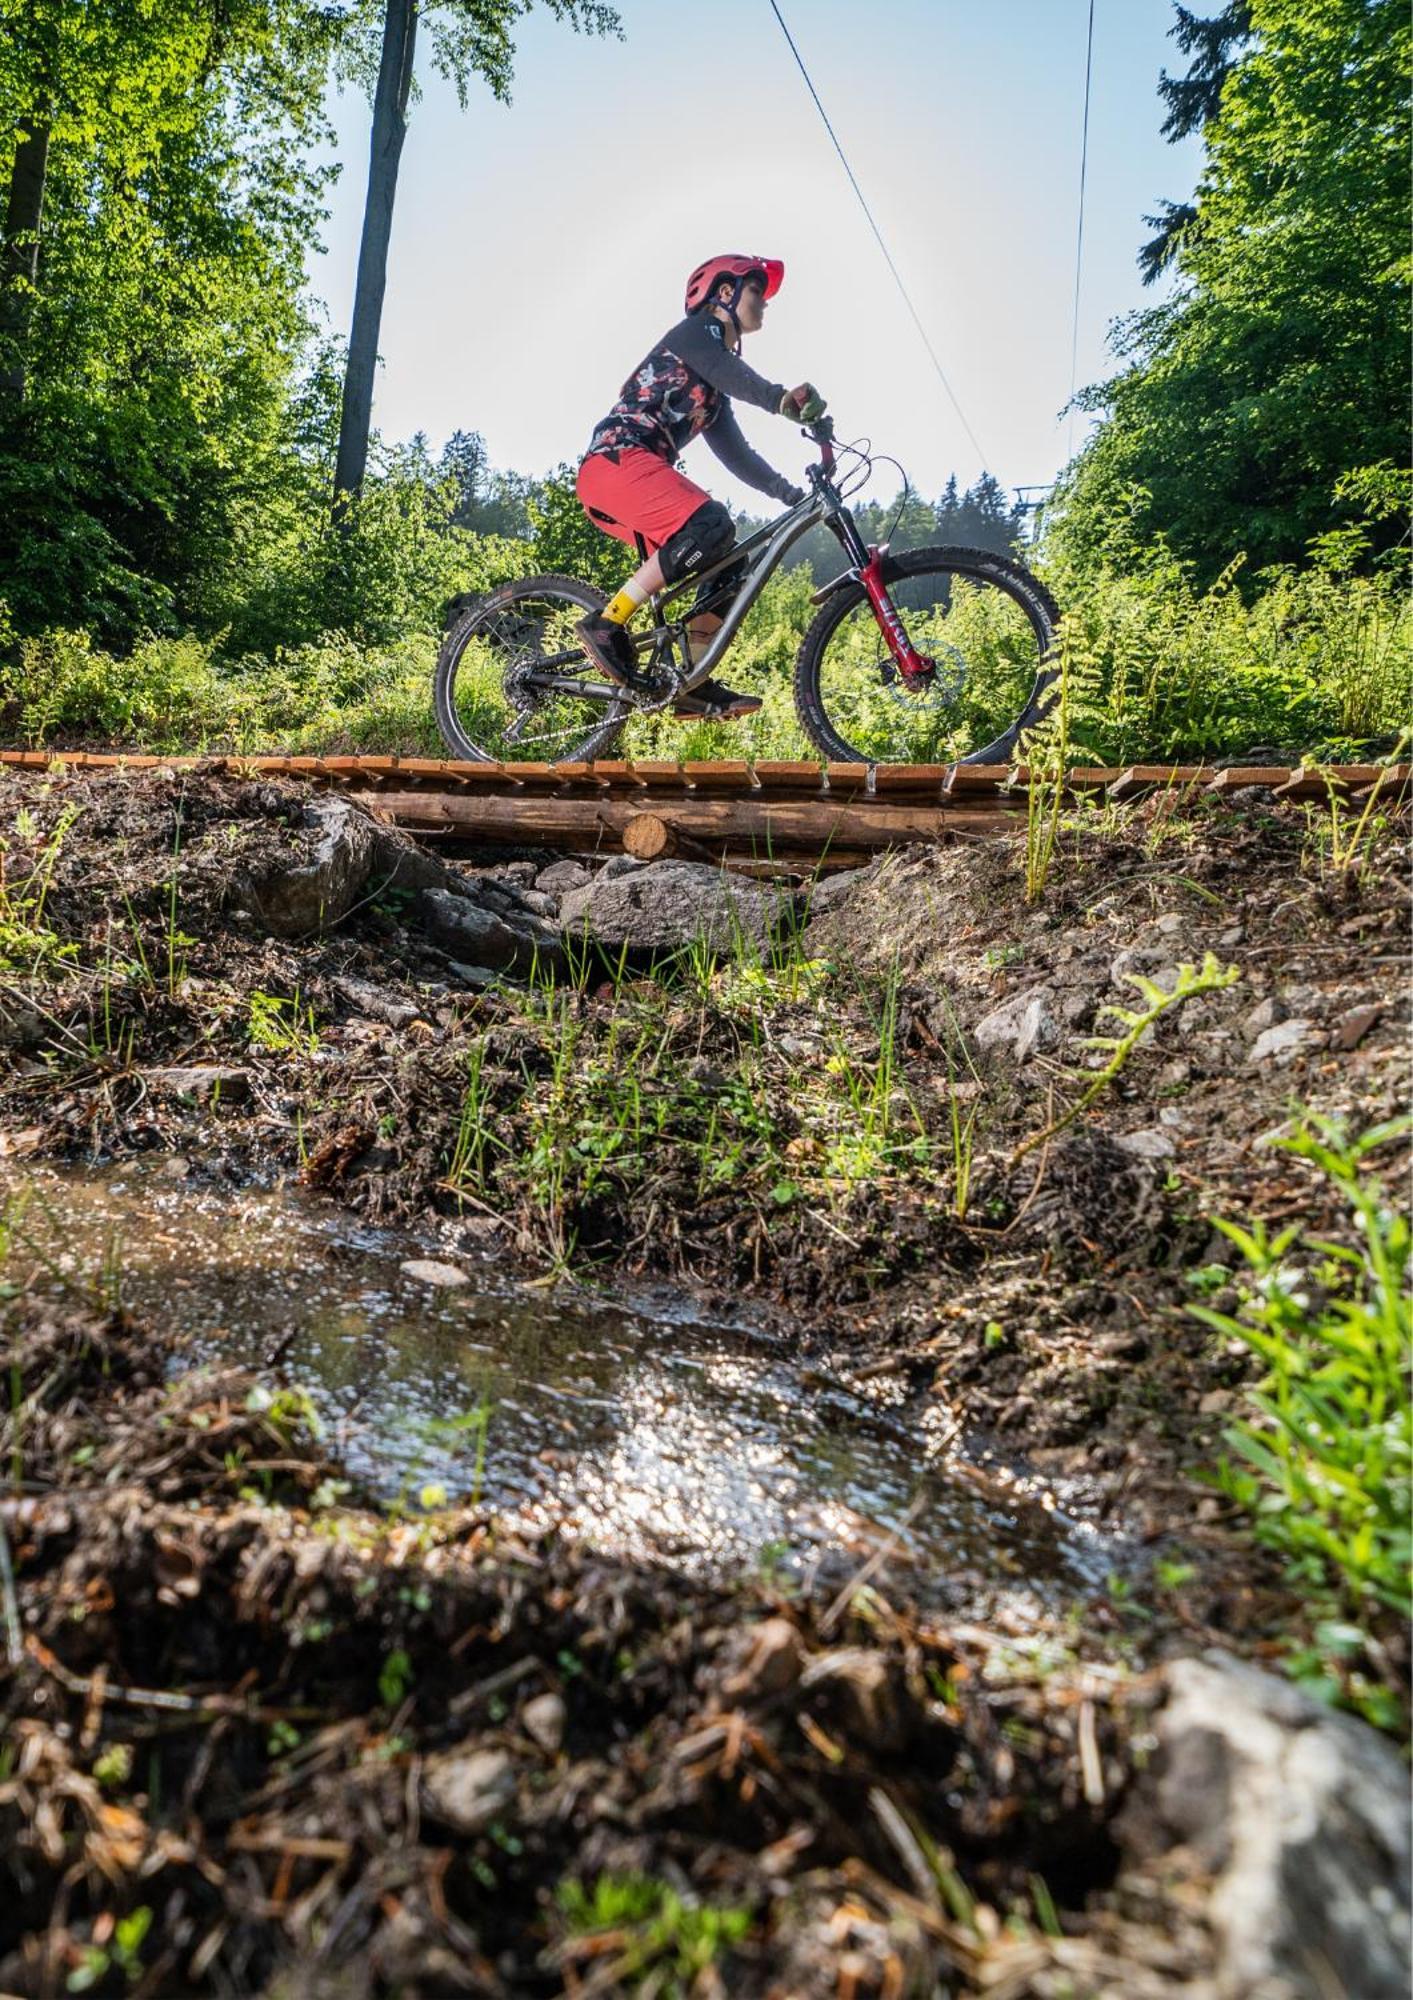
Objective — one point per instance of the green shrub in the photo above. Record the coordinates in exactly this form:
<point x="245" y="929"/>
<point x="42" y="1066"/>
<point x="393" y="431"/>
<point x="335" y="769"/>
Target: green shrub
<point x="1324" y="1459"/>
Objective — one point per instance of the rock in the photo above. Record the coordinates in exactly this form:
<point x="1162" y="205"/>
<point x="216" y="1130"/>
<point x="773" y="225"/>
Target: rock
<point x="319" y="891"/>
<point x="207" y="1081"/>
<point x="1149" y="1144"/>
<point x="466" y="1790"/>
<point x="428" y="1271"/>
<point x="1281" y="1043"/>
<point x="773" y="1663"/>
<point x="538" y="904"/>
<point x="1352" y="1026"/>
<point x="865" y="1694"/>
<point x="1171" y="924"/>
<point x="543" y="1718"/>
<point x="472" y="975"/>
<point x="1233" y="934"/>
<point x="1300" y="1816"/>
<point x="398" y="863"/>
<point x="562" y="876"/>
<point x="1149" y="962"/>
<point x="1022" y="1024"/>
<point x="665" y="905"/>
<point x="1265" y="1014"/>
<point x="478" y="935"/>
<point x="830" y="891"/>
<point x="378" y="1003"/>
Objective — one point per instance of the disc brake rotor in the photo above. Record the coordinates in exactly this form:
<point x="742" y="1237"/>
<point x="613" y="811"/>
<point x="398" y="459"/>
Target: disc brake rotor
<point x="937" y="690"/>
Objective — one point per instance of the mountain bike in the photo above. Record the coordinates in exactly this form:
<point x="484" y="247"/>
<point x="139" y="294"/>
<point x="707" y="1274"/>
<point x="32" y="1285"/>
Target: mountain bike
<point x="909" y="656"/>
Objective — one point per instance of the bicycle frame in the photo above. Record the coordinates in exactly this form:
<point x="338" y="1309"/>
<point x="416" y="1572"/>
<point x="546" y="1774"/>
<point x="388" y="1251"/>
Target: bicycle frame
<point x="865" y="566"/>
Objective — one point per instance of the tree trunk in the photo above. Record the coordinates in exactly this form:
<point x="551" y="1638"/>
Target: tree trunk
<point x="19" y="260"/>
<point x="389" y="131"/>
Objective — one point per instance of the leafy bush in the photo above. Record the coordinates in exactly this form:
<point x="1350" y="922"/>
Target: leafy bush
<point x="1320" y="658"/>
<point x="1325" y="1461"/>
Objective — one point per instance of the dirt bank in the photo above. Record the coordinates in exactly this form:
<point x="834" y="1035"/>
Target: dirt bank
<point x="883" y="1121"/>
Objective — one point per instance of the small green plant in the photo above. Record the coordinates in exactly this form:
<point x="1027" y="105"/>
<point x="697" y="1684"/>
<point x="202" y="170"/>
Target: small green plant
<point x="284" y="1026"/>
<point x="1324" y="1462"/>
<point x="1190" y="983"/>
<point x="26" y="943"/>
<point x="662" y="1944"/>
<point x="122" y="1954"/>
<point x="395" y="1678"/>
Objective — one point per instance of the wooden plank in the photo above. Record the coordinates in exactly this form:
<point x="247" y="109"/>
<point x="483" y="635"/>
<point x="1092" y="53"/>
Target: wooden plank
<point x="1239" y="776"/>
<point x="911" y="781"/>
<point x="793" y="778"/>
<point x="731" y="775"/>
<point x="974" y="779"/>
<point x="1143" y="778"/>
<point x="658" y="773"/>
<point x="1318" y="781"/>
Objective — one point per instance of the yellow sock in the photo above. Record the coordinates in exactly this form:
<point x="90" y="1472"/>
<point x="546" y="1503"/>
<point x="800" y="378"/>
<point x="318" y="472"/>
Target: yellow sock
<point x="621" y="608"/>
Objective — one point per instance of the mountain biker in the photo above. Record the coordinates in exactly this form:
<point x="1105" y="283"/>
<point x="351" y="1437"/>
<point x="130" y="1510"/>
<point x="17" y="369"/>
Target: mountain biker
<point x="628" y="482"/>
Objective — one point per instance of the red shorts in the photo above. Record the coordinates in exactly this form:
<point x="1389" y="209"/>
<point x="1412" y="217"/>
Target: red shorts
<point x="641" y="495"/>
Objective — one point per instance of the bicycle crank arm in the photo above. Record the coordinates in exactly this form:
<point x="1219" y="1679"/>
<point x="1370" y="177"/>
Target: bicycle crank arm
<point x="571" y="684"/>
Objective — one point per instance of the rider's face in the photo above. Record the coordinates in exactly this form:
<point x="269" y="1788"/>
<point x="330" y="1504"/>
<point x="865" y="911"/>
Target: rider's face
<point x="751" y="311"/>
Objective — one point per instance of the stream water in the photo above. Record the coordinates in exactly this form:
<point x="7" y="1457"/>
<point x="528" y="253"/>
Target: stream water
<point x="638" y="1427"/>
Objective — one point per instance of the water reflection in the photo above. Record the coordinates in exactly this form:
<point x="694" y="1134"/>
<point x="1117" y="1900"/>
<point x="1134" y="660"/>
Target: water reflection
<point x="638" y="1431"/>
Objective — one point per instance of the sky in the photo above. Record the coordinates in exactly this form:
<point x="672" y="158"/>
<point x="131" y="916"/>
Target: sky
<point x="540" y="249"/>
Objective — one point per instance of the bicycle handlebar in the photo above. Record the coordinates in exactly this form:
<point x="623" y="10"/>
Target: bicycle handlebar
<point x="822" y="434"/>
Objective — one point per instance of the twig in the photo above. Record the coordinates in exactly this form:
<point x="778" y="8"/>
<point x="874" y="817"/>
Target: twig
<point x="14" y="1632"/>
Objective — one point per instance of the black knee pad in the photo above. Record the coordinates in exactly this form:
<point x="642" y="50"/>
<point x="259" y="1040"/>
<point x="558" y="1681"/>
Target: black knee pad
<point x="707" y="535"/>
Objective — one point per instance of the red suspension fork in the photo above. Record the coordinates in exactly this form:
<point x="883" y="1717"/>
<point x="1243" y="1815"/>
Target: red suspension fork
<point x="910" y="661"/>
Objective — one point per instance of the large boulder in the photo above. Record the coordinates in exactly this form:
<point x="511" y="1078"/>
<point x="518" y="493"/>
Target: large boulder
<point x="317" y="885"/>
<point x="664" y="905"/>
<point x="1299" y="1817"/>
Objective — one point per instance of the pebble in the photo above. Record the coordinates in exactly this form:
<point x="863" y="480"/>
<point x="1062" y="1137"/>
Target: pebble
<point x="1285" y="1040"/>
<point x="466" y="1792"/>
<point x="543" y="1719"/>
<point x="1351" y="1027"/>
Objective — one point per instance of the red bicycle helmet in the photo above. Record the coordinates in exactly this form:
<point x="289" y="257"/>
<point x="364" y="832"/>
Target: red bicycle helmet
<point x="716" y="270"/>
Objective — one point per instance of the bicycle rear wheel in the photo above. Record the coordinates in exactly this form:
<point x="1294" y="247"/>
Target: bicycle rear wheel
<point x="984" y="621"/>
<point x="513" y="685"/>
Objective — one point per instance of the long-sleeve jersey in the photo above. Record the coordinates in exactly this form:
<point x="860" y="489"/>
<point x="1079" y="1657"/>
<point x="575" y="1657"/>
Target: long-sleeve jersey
<point x="684" y="387"/>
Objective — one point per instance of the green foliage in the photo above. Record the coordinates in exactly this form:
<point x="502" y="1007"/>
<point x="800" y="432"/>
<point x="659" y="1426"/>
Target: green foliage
<point x="1281" y="360"/>
<point x="1190" y="983"/>
<point x="1179" y="672"/>
<point x="160" y="345"/>
<point x="1324" y="1461"/>
<point x="659" y="1942"/>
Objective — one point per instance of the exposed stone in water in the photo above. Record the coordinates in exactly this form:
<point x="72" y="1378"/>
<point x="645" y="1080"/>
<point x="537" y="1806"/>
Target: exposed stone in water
<point x="428" y="1271"/>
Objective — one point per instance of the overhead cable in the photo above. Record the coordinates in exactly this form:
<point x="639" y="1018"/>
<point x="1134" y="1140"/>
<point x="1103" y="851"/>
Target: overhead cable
<point x="1079" y="236"/>
<point x="878" y="235"/>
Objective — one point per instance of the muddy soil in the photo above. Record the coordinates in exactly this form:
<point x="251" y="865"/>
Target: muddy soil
<point x="845" y="1132"/>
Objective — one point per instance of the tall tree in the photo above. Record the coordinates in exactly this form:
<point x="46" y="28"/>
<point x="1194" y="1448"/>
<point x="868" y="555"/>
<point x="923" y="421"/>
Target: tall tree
<point x="1281" y="363"/>
<point x="470" y="38"/>
<point x="1193" y="101"/>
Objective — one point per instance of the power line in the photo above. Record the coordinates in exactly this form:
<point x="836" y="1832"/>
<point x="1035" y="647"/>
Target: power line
<point x="878" y="234"/>
<point x="1079" y="238"/>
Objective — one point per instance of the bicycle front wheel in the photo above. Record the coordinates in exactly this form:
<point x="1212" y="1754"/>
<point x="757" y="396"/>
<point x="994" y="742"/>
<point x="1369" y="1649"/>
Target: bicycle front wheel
<point x="986" y="624"/>
<point x="512" y="682"/>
